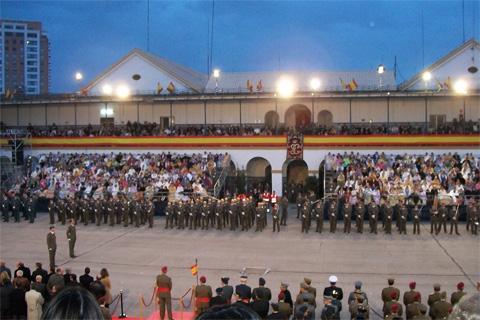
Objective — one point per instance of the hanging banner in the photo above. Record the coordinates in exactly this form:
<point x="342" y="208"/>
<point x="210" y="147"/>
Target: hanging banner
<point x="295" y="146"/>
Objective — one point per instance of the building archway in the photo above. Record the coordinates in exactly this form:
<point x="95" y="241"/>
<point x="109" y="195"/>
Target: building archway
<point x="294" y="175"/>
<point x="259" y="174"/>
<point x="272" y="119"/>
<point x="325" y="118"/>
<point x="298" y="115"/>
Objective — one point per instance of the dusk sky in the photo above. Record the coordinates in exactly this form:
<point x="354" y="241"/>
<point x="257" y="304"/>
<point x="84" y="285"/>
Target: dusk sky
<point x="90" y="36"/>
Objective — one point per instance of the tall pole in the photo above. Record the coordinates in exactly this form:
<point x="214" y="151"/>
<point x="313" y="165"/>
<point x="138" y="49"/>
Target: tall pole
<point x="240" y="102"/>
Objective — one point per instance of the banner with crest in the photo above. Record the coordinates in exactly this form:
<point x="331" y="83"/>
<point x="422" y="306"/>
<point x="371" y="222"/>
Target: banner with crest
<point x="295" y="146"/>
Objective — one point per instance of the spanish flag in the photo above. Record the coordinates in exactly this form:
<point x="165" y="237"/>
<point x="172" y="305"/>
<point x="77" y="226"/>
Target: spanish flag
<point x="440" y="85"/>
<point x="343" y="83"/>
<point x="171" y="88"/>
<point x="352" y="85"/>
<point x="84" y="91"/>
<point x="159" y="88"/>
<point x="448" y="83"/>
<point x="7" y="94"/>
<point x="194" y="269"/>
<point x="259" y="86"/>
<point x="249" y="86"/>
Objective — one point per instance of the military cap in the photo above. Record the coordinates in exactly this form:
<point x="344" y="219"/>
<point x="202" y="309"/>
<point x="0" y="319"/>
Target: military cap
<point x="358" y="283"/>
<point x="307" y="280"/>
<point x="436" y="286"/>
<point x="460" y="285"/>
<point x="333" y="279"/>
<point x="225" y="279"/>
<point x="275" y="306"/>
<point x="281" y="296"/>
<point x="360" y="298"/>
<point x="303" y="285"/>
<point x="261" y="281"/>
<point x="219" y="290"/>
<point x="412" y="284"/>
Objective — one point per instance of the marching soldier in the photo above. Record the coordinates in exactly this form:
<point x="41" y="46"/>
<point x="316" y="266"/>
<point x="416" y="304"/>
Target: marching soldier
<point x="149" y="212"/>
<point x="332" y="216"/>
<point x="454" y="220"/>
<point x="360" y="215"/>
<point x="403" y="214"/>
<point x="347" y="217"/>
<point x="373" y="214"/>
<point x="442" y="218"/>
<point x="416" y="219"/>
<point x="284" y="203"/>
<point x="319" y="215"/>
<point x="275" y="218"/>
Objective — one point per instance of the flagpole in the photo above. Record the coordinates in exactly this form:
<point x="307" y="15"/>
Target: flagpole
<point x="196" y="263"/>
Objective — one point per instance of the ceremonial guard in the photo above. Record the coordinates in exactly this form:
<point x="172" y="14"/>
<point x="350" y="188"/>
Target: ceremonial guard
<point x="125" y="211"/>
<point x="332" y="215"/>
<point x="149" y="212"/>
<point x="168" y="216"/>
<point x="110" y="206"/>
<point x="219" y="214"/>
<point x="373" y="214"/>
<point x="203" y="294"/>
<point x="416" y="213"/>
<point x="5" y="207"/>
<point x="319" y="210"/>
<point x="433" y="220"/>
<point x="72" y="238"/>
<point x="16" y="209"/>
<point x="31" y="208"/>
<point x="164" y="288"/>
<point x="475" y="218"/>
<point x="454" y="219"/>
<point x="98" y="211"/>
<point x="305" y="212"/>
<point x="137" y="210"/>
<point x="468" y="211"/>
<point x="347" y="217"/>
<point x="403" y="214"/>
<point x="244" y="218"/>
<point x="299" y="201"/>
<point x="259" y="213"/>
<point x="117" y="208"/>
<point x="284" y="203"/>
<point x="181" y="212"/>
<point x="204" y="211"/>
<point x="442" y="218"/>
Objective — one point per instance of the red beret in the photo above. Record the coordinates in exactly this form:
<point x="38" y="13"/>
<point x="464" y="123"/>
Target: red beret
<point x="281" y="296"/>
<point x="412" y="284"/>
<point x="164" y="269"/>
<point x="393" y="295"/>
<point x="416" y="296"/>
<point x="203" y="279"/>
<point x="460" y="285"/>
<point x="394" y="307"/>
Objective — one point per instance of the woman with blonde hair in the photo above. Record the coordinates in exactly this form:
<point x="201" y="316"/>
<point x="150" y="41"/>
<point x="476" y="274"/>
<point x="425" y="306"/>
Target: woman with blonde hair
<point x="105" y="280"/>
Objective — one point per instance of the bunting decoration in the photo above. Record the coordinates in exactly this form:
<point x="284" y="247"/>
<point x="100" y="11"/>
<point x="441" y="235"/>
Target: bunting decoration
<point x="171" y="88"/>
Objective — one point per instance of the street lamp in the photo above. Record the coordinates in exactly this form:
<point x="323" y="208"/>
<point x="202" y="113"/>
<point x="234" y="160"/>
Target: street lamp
<point x="426" y="77"/>
<point x="380" y="70"/>
<point x="216" y="74"/>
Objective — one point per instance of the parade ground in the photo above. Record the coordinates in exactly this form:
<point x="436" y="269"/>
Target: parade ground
<point x="134" y="257"/>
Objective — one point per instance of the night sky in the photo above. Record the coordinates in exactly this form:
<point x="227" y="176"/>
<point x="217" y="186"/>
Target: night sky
<point x="89" y="36"/>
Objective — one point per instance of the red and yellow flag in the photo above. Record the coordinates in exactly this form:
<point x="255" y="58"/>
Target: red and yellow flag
<point x="194" y="269"/>
<point x="7" y="94"/>
<point x="343" y="83"/>
<point x="259" y="86"/>
<point x="352" y="85"/>
<point x="448" y="83"/>
<point x="84" y="91"/>
<point x="159" y="88"/>
<point x="249" y="86"/>
<point x="440" y="85"/>
<point x="171" y="88"/>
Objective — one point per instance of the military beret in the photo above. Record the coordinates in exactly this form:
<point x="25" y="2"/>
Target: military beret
<point x="412" y="284"/>
<point x="219" y="289"/>
<point x="283" y="284"/>
<point x="164" y="269"/>
<point x="303" y="285"/>
<point x="393" y="295"/>
<point x="307" y="280"/>
<point x="261" y="281"/>
<point x="416" y="296"/>
<point x="422" y="308"/>
<point x="299" y="314"/>
<point x="333" y="279"/>
<point x="281" y="296"/>
<point x="358" y="283"/>
<point x="203" y="279"/>
<point x="360" y="298"/>
<point x="275" y="306"/>
<point x="394" y="308"/>
<point x="460" y="285"/>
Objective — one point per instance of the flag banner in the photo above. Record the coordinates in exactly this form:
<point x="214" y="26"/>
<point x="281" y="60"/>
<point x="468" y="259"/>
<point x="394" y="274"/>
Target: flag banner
<point x="7" y="94"/>
<point x="295" y="146"/>
<point x="440" y="85"/>
<point x="171" y="88"/>
<point x="448" y="83"/>
<point x="84" y="91"/>
<point x="259" y="86"/>
<point x="343" y="83"/>
<point x="352" y="85"/>
<point x="194" y="269"/>
<point x="249" y="86"/>
<point x="159" y="88"/>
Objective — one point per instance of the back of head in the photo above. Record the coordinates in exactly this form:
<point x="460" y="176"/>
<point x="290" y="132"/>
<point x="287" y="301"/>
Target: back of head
<point x="468" y="308"/>
<point x="73" y="303"/>
<point x="232" y="311"/>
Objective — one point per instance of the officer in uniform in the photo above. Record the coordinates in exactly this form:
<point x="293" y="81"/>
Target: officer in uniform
<point x="137" y="211"/>
<point x="259" y="213"/>
<point x="227" y="289"/>
<point x="408" y="295"/>
<point x="284" y="203"/>
<point x="439" y="310"/>
<point x="442" y="218"/>
<point x="412" y="309"/>
<point x="275" y="218"/>
<point x="305" y="212"/>
<point x="433" y="298"/>
<point x="181" y="212"/>
<point x="164" y="287"/>
<point x="299" y="201"/>
<point x="387" y="292"/>
<point x="72" y="238"/>
<point x="453" y="214"/>
<point x="347" y="217"/>
<point x="475" y="218"/>
<point x="244" y="218"/>
<point x="203" y="294"/>
<point x="98" y="211"/>
<point x="319" y="210"/>
<point x="416" y="219"/>
<point x="52" y="246"/>
<point x="125" y="211"/>
<point x="456" y="296"/>
<point x="219" y="214"/>
<point x="468" y="211"/>
<point x="16" y="209"/>
<point x="205" y="210"/>
<point x="149" y="212"/>
<point x="117" y="208"/>
<point x="359" y="216"/>
<point x="110" y="206"/>
<point x="373" y="214"/>
<point x="5" y="207"/>
<point x="433" y="220"/>
<point x="403" y="214"/>
<point x="332" y="215"/>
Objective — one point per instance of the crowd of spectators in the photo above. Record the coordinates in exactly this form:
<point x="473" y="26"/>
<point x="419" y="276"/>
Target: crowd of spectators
<point x="417" y="178"/>
<point x="117" y="174"/>
<point x="137" y="129"/>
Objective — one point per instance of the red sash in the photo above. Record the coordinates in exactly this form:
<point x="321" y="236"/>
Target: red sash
<point x="163" y="289"/>
<point x="203" y="299"/>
